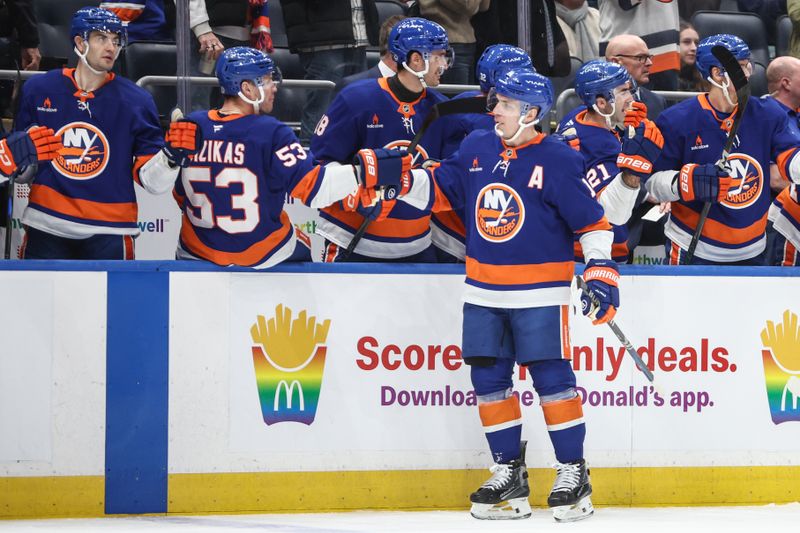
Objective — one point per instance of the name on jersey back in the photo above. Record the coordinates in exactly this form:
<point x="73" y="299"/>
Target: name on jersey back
<point x="226" y="152"/>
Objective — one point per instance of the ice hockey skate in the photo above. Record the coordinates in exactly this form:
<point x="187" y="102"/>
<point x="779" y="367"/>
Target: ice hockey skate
<point x="570" y="499"/>
<point x="504" y="496"/>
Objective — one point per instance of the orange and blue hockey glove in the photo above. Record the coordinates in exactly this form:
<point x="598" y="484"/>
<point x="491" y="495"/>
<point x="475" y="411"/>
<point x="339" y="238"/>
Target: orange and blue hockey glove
<point x="636" y="114"/>
<point x="601" y="300"/>
<point x="25" y="148"/>
<point x="703" y="183"/>
<point x="383" y="168"/>
<point x="641" y="147"/>
<point x="183" y="139"/>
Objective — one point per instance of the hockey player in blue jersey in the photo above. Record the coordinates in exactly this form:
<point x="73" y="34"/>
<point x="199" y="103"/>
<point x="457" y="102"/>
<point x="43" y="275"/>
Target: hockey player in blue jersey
<point x="526" y="198"/>
<point x="600" y="131"/>
<point x="386" y="113"/>
<point x="687" y="173"/>
<point x="233" y="190"/>
<point x="447" y="227"/>
<point x="82" y="203"/>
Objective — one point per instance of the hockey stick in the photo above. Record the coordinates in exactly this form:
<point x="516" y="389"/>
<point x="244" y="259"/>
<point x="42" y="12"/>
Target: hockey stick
<point x="442" y="109"/>
<point x="12" y="178"/>
<point x="618" y="332"/>
<point x="739" y="81"/>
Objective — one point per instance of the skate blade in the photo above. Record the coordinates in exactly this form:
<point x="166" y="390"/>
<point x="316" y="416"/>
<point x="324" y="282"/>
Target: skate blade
<point x="572" y="513"/>
<point x="514" y="509"/>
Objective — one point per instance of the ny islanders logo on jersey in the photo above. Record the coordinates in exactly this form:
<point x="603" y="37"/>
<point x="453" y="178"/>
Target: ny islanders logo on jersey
<point x="289" y="358"/>
<point x="402" y="144"/>
<point x="781" y="357"/>
<point x="748" y="181"/>
<point x="85" y="154"/>
<point x="499" y="212"/>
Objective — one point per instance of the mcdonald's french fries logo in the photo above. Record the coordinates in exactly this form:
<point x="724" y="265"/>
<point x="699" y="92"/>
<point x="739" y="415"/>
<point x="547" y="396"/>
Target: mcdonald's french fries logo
<point x="289" y="359"/>
<point x="781" y="357"/>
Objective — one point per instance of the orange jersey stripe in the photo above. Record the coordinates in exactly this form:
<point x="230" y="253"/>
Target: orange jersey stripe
<point x="788" y="254"/>
<point x="788" y="204"/>
<point x="520" y="274"/>
<point x="562" y="411"/>
<point x="618" y="249"/>
<point x="566" y="350"/>
<point x="390" y="227"/>
<point x="783" y="160"/>
<point x="499" y="412"/>
<point x="600" y="225"/>
<point x="306" y="184"/>
<point x="249" y="257"/>
<point x="717" y="230"/>
<point x="86" y="209"/>
<point x="440" y="201"/>
<point x="138" y="163"/>
<point x="666" y="61"/>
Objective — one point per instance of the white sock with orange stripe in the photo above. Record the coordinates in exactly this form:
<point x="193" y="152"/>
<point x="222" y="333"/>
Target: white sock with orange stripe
<point x="563" y="414"/>
<point x="502" y="421"/>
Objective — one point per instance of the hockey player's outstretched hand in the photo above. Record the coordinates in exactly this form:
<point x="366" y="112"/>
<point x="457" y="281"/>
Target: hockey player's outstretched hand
<point x="636" y="114"/>
<point x="371" y="204"/>
<point x="641" y="146"/>
<point x="601" y="301"/>
<point x="704" y="183"/>
<point x="184" y="138"/>
<point x="25" y="148"/>
<point x="382" y="168"/>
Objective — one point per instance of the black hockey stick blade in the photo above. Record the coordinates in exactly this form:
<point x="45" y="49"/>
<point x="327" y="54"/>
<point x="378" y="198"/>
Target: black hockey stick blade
<point x="619" y="334"/>
<point x="442" y="109"/>
<point x="737" y="76"/>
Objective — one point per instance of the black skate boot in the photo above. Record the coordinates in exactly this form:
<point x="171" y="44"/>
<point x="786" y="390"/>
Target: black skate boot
<point x="504" y="496"/>
<point x="570" y="498"/>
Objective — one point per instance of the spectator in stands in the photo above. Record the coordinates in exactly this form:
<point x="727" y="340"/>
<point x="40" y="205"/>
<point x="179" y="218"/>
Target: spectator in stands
<point x="657" y="23"/>
<point x="147" y="20"/>
<point x="783" y="238"/>
<point x="632" y="53"/>
<point x="19" y="44"/>
<point x="332" y="43"/>
<point x="581" y="26"/>
<point x="498" y="25"/>
<point x="221" y="24"/>
<point x="689" y="78"/>
<point x="453" y="16"/>
<point x="386" y="66"/>
<point x="793" y="9"/>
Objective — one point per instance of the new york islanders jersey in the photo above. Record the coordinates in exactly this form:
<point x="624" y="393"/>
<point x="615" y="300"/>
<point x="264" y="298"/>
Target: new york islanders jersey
<point x="784" y="213"/>
<point x="524" y="206"/>
<point x="233" y="192"/>
<point x="366" y="114"/>
<point x="694" y="132"/>
<point x="447" y="227"/>
<point x="599" y="147"/>
<point x="108" y="135"/>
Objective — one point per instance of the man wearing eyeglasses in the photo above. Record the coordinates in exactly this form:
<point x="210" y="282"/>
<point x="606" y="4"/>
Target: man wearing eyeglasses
<point x="632" y="53"/>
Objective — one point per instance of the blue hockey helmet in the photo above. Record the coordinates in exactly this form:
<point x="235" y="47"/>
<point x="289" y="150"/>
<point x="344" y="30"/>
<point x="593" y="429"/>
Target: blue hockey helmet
<point x="705" y="59"/>
<point x="242" y="63"/>
<point x="417" y="35"/>
<point x="89" y="19"/>
<point x="599" y="78"/>
<point x="496" y="59"/>
<point x="527" y="86"/>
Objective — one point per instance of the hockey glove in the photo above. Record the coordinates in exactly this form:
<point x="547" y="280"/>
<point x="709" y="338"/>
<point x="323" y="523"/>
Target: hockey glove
<point x="636" y="114"/>
<point x="641" y="146"/>
<point x="383" y="168"/>
<point x="601" y="301"/>
<point x="184" y="138"/>
<point x="703" y="183"/>
<point x="370" y="203"/>
<point x="25" y="148"/>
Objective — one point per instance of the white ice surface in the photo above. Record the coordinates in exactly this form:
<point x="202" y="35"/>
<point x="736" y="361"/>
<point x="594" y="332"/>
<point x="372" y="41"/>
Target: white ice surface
<point x="768" y="518"/>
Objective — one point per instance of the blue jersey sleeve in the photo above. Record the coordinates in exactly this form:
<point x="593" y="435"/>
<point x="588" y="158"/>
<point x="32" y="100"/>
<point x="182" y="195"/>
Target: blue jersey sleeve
<point x="449" y="184"/>
<point x="570" y="194"/>
<point x="147" y="135"/>
<point x="24" y="119"/>
<point x="290" y="167"/>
